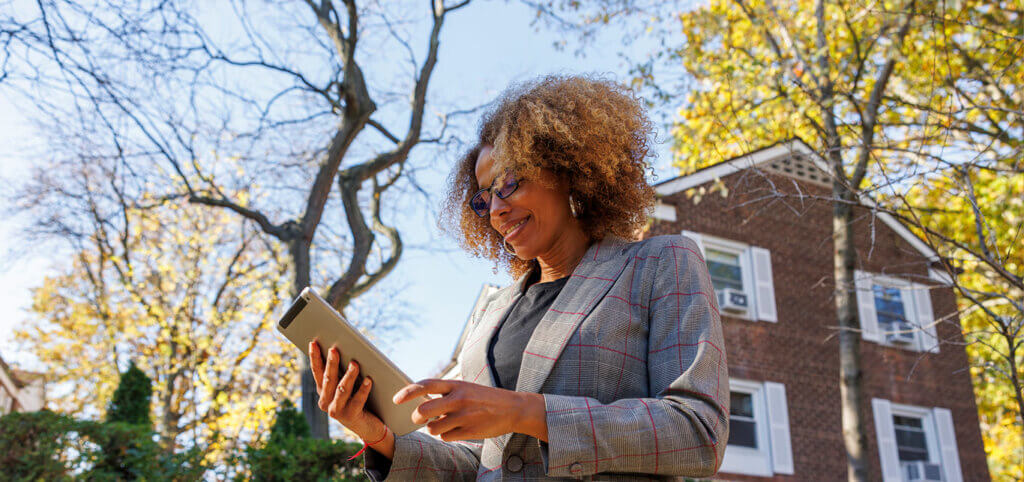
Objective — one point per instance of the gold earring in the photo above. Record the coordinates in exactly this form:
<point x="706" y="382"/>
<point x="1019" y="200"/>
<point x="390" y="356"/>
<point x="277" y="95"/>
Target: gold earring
<point x="572" y="207"/>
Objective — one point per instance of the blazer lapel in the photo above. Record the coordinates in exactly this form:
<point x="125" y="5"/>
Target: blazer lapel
<point x="474" y="354"/>
<point x="590" y="281"/>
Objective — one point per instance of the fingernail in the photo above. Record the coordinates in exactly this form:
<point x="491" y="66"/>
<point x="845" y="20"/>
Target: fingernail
<point x="366" y="381"/>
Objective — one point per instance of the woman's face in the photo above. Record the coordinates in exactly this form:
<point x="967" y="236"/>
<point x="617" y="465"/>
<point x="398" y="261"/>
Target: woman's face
<point x="533" y="217"/>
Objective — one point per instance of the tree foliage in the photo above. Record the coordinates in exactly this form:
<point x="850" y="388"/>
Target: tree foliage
<point x="131" y="400"/>
<point x="977" y="220"/>
<point x="188" y="294"/>
<point x="298" y="118"/>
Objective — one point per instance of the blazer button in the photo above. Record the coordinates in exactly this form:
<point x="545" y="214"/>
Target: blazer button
<point x="576" y="468"/>
<point x="514" y="463"/>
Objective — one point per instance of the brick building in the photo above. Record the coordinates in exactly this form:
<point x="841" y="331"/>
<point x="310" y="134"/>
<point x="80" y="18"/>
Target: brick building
<point x="768" y="245"/>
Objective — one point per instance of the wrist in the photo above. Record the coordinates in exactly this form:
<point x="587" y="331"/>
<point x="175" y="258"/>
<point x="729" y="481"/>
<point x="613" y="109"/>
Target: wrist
<point x="376" y="440"/>
<point x="384" y="445"/>
<point x="532" y="417"/>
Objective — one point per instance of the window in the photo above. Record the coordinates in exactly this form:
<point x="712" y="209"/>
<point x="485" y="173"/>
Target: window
<point x="891" y="312"/>
<point x="889" y="305"/>
<point x="741" y="276"/>
<point x="910" y="438"/>
<point x="895" y="312"/>
<point x="759" y="441"/>
<point x="724" y="268"/>
<point x="916" y="443"/>
<point x="742" y="424"/>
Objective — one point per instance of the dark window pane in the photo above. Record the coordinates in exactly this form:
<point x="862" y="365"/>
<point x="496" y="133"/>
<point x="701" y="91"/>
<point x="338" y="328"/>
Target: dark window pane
<point x="910" y="455"/>
<point x="741" y="404"/>
<point x="910" y="438"/>
<point x="900" y="421"/>
<point x="742" y="433"/>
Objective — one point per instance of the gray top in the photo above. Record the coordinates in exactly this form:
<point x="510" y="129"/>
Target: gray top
<point x="505" y="353"/>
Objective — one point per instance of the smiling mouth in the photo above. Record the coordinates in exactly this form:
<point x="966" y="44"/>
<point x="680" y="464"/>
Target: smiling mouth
<point x="516" y="227"/>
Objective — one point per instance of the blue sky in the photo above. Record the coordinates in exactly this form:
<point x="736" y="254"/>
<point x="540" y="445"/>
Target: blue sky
<point x="484" y="48"/>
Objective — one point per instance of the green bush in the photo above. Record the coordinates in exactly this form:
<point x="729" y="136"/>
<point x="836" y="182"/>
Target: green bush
<point x="289" y="423"/>
<point x="291" y="455"/>
<point x="304" y="459"/>
<point x="32" y="445"/>
<point x="130" y="452"/>
<point x="47" y="446"/>
<point x="131" y="400"/>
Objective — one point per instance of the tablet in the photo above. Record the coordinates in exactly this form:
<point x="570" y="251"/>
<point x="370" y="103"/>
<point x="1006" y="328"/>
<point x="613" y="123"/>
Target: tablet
<point x="310" y="317"/>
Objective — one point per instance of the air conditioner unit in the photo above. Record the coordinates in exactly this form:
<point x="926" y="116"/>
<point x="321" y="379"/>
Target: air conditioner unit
<point x="902" y="333"/>
<point x="921" y="471"/>
<point x="731" y="300"/>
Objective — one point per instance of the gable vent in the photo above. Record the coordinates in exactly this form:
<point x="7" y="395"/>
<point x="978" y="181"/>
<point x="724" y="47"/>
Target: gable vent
<point x="799" y="167"/>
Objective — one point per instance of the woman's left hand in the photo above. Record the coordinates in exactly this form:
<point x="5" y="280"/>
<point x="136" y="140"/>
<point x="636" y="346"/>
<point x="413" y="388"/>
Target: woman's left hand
<point x="474" y="411"/>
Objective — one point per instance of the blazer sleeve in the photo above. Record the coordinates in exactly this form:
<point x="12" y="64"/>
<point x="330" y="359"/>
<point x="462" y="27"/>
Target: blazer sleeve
<point x="421" y="456"/>
<point x="682" y="430"/>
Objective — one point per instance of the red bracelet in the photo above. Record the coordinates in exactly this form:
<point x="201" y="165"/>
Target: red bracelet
<point x="365" y="444"/>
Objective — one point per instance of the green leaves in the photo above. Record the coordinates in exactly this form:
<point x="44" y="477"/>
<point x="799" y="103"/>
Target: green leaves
<point x="130" y="404"/>
<point x="46" y="446"/>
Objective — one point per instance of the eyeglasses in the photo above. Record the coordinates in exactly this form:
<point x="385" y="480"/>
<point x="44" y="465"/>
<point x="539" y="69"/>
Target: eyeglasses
<point x="481" y="201"/>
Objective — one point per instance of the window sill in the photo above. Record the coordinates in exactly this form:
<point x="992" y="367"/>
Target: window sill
<point x="746" y="461"/>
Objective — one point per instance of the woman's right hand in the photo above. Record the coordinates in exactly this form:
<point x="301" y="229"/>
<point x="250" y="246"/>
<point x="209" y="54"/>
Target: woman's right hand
<point x="337" y="397"/>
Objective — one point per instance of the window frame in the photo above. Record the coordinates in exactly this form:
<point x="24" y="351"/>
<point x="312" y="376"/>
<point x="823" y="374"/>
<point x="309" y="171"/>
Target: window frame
<point x="927" y="425"/>
<point x="910" y="310"/>
<point x="742" y="252"/>
<point x="745" y="460"/>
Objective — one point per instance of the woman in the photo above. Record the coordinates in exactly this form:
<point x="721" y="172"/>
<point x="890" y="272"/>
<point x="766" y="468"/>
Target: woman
<point x="604" y="358"/>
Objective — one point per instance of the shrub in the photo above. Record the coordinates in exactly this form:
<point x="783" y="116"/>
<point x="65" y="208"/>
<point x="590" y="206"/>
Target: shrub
<point x="131" y="400"/>
<point x="291" y="455"/>
<point x="47" y="446"/>
<point x="32" y="445"/>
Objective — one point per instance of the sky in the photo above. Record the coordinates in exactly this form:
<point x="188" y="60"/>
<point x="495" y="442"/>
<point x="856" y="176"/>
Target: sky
<point x="484" y="47"/>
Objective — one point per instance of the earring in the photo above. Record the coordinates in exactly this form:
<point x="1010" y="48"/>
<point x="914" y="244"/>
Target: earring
<point x="572" y="207"/>
<point x="511" y="251"/>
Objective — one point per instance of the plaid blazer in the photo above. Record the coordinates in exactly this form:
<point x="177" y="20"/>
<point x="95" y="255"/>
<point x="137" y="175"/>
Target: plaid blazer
<point x="630" y="362"/>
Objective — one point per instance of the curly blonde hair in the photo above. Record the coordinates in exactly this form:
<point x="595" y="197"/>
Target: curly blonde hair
<point x="592" y="134"/>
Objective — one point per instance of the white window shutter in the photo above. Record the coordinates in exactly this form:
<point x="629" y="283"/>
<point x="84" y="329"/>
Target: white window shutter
<point x="778" y="425"/>
<point x="947" y="445"/>
<point x="697" y="238"/>
<point x="887" y="452"/>
<point x="764" y="289"/>
<point x="925" y="317"/>
<point x="866" y="306"/>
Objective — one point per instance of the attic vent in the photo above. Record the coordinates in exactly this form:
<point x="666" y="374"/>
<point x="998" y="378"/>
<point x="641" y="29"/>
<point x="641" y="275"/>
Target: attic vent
<point x="801" y="168"/>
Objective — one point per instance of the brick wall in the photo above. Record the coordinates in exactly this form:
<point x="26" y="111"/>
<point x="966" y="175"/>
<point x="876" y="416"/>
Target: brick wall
<point x="794" y="222"/>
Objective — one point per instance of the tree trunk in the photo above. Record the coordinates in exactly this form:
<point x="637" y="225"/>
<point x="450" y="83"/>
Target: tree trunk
<point x="844" y="260"/>
<point x="298" y="248"/>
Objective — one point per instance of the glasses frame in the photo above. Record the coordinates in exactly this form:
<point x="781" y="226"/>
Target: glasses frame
<point x="512" y="179"/>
